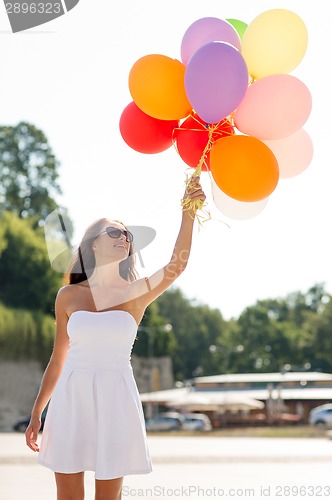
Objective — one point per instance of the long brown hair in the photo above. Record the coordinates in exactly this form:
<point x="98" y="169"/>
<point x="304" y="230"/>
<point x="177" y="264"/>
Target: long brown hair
<point x="83" y="262"/>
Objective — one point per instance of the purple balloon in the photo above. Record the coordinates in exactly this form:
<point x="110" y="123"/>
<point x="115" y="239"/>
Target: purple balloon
<point x="206" y="30"/>
<point x="216" y="80"/>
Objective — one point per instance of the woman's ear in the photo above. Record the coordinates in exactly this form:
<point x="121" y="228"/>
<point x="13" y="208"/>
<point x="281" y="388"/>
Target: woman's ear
<point x="94" y="246"/>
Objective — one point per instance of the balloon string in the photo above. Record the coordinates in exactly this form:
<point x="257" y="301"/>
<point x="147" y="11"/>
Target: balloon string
<point x="203" y="129"/>
<point x="194" y="205"/>
<point x="217" y="132"/>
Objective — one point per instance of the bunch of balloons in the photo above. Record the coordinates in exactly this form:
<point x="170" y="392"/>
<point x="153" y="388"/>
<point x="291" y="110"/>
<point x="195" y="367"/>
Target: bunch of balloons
<point x="230" y="106"/>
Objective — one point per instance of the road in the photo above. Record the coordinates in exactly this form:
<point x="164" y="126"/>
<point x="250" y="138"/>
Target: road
<point x="190" y="467"/>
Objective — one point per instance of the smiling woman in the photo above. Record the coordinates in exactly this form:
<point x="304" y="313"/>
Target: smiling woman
<point x="95" y="412"/>
<point x="84" y="263"/>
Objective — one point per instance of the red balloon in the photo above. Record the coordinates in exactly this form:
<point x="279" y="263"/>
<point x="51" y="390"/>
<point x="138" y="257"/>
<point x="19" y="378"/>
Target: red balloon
<point x="144" y="133"/>
<point x="192" y="137"/>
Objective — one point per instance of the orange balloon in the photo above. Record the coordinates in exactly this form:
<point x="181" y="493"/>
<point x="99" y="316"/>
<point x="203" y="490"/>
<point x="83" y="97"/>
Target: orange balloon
<point x="244" y="168"/>
<point x="156" y="84"/>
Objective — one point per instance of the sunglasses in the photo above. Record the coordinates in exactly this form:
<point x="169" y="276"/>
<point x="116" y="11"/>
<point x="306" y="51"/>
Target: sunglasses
<point x="115" y="233"/>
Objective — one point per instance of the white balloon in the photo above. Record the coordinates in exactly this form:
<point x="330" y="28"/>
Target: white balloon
<point x="235" y="209"/>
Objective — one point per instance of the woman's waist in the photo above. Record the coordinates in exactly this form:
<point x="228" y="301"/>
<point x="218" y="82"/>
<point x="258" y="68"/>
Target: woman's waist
<point x="88" y="363"/>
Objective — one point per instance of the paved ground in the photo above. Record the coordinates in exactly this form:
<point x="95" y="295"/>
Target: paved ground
<point x="194" y="468"/>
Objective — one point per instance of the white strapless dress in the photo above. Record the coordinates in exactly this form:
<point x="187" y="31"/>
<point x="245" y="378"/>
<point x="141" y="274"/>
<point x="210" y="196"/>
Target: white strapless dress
<point x="95" y="419"/>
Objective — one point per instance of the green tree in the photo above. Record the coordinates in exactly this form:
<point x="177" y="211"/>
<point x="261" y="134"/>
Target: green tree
<point x="155" y="336"/>
<point x="28" y="172"/>
<point x="196" y="327"/>
<point x="262" y="341"/>
<point x="319" y="332"/>
<point x="278" y="332"/>
<point x="26" y="276"/>
<point x="26" y="334"/>
<point x="299" y="304"/>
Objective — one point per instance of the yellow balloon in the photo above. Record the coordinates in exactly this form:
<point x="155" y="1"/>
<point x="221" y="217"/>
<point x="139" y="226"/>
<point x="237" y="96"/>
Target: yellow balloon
<point x="274" y="42"/>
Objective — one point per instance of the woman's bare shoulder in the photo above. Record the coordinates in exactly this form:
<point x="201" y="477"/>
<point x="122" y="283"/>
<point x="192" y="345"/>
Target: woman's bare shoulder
<point x="67" y="292"/>
<point x="68" y="296"/>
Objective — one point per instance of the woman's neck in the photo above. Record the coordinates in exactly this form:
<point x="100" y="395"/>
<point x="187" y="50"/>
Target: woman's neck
<point x="106" y="275"/>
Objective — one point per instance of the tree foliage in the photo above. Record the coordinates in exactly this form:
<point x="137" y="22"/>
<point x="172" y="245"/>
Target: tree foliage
<point x="28" y="172"/>
<point x="196" y="327"/>
<point x="25" y="335"/>
<point x="155" y="336"/>
<point x="293" y="332"/>
<point x="282" y="332"/>
<point x="26" y="276"/>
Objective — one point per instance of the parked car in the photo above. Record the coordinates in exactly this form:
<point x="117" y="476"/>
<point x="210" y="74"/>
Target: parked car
<point x="22" y="424"/>
<point x="196" y="422"/>
<point x="321" y="415"/>
<point x="168" y="421"/>
<point x="172" y="421"/>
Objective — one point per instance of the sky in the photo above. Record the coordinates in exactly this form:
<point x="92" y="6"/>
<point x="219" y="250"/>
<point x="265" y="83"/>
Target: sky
<point x="69" y="78"/>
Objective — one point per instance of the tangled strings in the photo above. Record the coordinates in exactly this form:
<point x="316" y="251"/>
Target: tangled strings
<point x="214" y="133"/>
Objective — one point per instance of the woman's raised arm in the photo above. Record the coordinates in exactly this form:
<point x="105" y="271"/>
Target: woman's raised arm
<point x="162" y="279"/>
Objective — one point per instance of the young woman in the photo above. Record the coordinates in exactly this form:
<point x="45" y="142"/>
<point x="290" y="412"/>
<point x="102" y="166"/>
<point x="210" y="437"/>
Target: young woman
<point x="95" y="419"/>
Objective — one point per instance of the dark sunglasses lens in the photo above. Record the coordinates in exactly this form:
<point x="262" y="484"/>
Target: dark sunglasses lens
<point x="113" y="232"/>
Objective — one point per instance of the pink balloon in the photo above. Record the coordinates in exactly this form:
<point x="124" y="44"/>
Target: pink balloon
<point x="216" y="80"/>
<point x="274" y="107"/>
<point x="206" y="30"/>
<point x="293" y="153"/>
